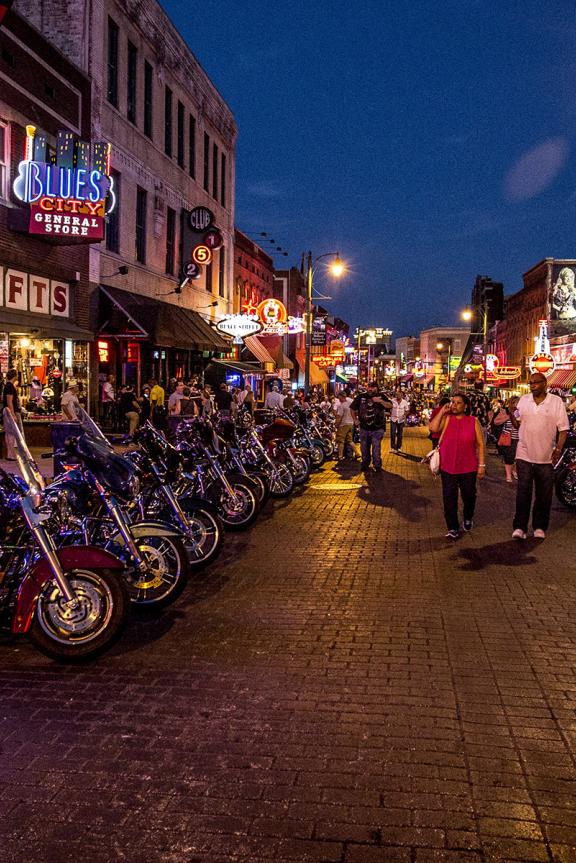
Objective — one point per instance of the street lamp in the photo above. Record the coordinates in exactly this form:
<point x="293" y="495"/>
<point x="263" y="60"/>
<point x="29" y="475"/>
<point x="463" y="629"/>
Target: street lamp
<point x="336" y="268"/>
<point x="467" y="315"/>
<point x="440" y="347"/>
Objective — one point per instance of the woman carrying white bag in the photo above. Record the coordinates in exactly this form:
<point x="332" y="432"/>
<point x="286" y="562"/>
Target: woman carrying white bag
<point x="461" y="452"/>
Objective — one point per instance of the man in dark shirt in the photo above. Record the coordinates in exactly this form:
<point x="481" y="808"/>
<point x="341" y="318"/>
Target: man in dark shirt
<point x="11" y="405"/>
<point x="368" y="411"/>
<point x="223" y="400"/>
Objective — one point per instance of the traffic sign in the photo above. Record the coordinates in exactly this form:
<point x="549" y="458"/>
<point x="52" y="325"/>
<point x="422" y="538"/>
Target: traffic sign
<point x="213" y="239"/>
<point x="202" y="255"/>
<point x="200" y="218"/>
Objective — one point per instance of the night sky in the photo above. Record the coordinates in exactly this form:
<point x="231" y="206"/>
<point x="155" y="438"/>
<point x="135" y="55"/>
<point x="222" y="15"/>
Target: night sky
<point x="427" y="141"/>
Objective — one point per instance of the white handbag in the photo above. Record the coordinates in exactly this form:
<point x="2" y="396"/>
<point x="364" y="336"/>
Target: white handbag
<point x="432" y="459"/>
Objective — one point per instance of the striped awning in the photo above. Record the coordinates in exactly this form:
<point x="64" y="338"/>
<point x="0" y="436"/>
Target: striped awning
<point x="563" y="379"/>
<point x="256" y="348"/>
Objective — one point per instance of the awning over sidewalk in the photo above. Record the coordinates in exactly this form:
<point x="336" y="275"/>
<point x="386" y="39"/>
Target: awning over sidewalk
<point x="239" y="366"/>
<point x="51" y="328"/>
<point x="165" y="324"/>
<point x="563" y="379"/>
<point x="256" y="348"/>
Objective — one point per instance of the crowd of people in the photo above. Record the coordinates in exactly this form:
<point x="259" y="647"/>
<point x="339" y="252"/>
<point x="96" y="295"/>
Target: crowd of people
<point x="528" y="432"/>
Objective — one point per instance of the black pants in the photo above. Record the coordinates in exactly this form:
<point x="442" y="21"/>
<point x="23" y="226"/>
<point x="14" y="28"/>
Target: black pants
<point x="540" y="478"/>
<point x="396" y="431"/>
<point x="451" y="482"/>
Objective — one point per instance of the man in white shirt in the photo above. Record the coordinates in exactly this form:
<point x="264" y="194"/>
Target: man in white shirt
<point x="543" y="423"/>
<point x="70" y="402"/>
<point x="274" y="399"/>
<point x="344" y="426"/>
<point x="398" y="413"/>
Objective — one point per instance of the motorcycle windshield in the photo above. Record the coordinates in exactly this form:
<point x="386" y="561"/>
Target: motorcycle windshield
<point x="91" y="428"/>
<point x="28" y="467"/>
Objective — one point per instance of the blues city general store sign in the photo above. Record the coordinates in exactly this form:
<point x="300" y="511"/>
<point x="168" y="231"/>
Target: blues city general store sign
<point x="70" y="195"/>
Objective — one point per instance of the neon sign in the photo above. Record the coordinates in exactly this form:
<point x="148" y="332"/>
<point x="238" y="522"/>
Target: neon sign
<point x="70" y="197"/>
<point x="275" y="319"/>
<point x="239" y="326"/>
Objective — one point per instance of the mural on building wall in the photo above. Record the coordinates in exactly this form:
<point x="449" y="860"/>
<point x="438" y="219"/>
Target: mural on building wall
<point x="563" y="301"/>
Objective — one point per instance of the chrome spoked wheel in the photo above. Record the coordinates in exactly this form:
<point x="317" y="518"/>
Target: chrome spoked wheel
<point x="82" y="630"/>
<point x="165" y="575"/>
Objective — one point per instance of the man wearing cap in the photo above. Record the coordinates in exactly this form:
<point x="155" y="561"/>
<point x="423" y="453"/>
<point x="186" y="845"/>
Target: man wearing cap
<point x="70" y="401"/>
<point x="543" y="423"/>
<point x="367" y="411"/>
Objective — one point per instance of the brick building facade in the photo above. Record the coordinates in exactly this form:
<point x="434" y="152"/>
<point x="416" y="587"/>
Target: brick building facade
<point x="44" y="286"/>
<point x="173" y="140"/>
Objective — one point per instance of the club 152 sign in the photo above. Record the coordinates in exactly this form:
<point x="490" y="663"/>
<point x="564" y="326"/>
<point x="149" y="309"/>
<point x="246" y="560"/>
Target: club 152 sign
<point x="71" y="197"/>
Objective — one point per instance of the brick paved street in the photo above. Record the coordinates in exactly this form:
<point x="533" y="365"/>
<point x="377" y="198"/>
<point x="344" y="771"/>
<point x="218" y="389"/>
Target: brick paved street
<point x="343" y="686"/>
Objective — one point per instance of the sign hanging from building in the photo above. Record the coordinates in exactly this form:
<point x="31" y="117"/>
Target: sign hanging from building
<point x="319" y="331"/>
<point x="274" y="318"/>
<point x="200" y="219"/>
<point x="543" y="363"/>
<point x="71" y="197"/>
<point x="239" y="326"/>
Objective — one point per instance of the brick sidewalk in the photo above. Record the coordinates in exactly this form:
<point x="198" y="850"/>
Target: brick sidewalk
<point x="343" y="686"/>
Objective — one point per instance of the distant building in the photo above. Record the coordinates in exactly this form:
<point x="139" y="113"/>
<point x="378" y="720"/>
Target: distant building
<point x="441" y="351"/>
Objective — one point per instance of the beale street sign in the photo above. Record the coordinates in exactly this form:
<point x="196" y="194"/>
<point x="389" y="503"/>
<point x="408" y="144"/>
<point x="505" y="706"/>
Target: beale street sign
<point x="68" y="198"/>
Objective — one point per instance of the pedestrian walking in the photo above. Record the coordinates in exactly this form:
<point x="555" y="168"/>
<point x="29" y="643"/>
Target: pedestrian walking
<point x="274" y="399"/>
<point x="157" y="400"/>
<point x="344" y="426"/>
<point x="11" y="405"/>
<point x="130" y="408"/>
<point x="368" y="411"/>
<point x="462" y="461"/>
<point x="108" y="396"/>
<point x="507" y="435"/>
<point x="175" y="398"/>
<point x="223" y="399"/>
<point x="70" y="403"/>
<point x="543" y="423"/>
<point x="398" y="413"/>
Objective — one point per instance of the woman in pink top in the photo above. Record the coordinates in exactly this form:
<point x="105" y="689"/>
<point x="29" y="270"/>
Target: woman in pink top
<point x="461" y="460"/>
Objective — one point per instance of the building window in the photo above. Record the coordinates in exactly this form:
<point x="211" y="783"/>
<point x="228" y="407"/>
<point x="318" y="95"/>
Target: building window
<point x="215" y="172"/>
<point x="208" y="272"/>
<point x="180" y="140"/>
<point x="141" y="207"/>
<point x="223" y="180"/>
<point x="113" y="220"/>
<point x="147" y="99"/>
<point x="206" y="161"/>
<point x="168" y="121"/>
<point x="222" y="272"/>
<point x="131" y="82"/>
<point x="112" y="91"/>
<point x="4" y="161"/>
<point x="192" y="146"/>
<point x="170" y="239"/>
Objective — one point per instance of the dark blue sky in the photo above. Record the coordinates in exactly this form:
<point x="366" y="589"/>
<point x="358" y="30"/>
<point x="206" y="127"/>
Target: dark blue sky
<point x="428" y="141"/>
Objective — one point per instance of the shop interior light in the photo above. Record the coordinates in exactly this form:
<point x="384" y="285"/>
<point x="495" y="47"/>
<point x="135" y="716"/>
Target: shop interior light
<point x="25" y="342"/>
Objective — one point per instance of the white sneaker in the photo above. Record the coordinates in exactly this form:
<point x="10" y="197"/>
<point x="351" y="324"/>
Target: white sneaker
<point x="539" y="534"/>
<point x="519" y="534"/>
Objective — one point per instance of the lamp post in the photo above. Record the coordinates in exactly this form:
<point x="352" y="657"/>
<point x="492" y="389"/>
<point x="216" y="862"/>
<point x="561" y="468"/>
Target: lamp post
<point x="467" y="315"/>
<point x="337" y="268"/>
<point x="440" y="347"/>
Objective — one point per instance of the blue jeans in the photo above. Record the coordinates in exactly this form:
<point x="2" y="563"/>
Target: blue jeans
<point x="396" y="430"/>
<point x="371" y="440"/>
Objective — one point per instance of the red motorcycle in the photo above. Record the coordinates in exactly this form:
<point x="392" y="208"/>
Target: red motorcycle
<point x="277" y="437"/>
<point x="72" y="602"/>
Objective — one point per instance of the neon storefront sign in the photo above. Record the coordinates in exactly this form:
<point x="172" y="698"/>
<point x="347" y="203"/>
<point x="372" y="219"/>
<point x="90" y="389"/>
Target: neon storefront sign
<point x="71" y="196"/>
<point x="275" y="319"/>
<point x="239" y="326"/>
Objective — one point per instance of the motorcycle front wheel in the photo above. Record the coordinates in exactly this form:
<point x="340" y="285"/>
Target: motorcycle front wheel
<point x="166" y="573"/>
<point x="207" y="534"/>
<point x="81" y="633"/>
<point x="280" y="478"/>
<point x="565" y="487"/>
<point x="300" y="468"/>
<point x="239" y="511"/>
<point x="317" y="454"/>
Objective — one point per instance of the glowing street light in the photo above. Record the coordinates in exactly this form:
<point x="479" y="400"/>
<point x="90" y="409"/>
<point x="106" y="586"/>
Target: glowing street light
<point x="336" y="269"/>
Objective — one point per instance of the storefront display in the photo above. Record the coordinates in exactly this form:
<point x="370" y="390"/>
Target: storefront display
<point x="45" y="367"/>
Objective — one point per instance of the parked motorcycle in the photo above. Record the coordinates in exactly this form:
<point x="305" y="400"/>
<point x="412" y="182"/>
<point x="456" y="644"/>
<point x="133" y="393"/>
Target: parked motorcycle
<point x="72" y="602"/>
<point x="565" y="472"/>
<point x="95" y="493"/>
